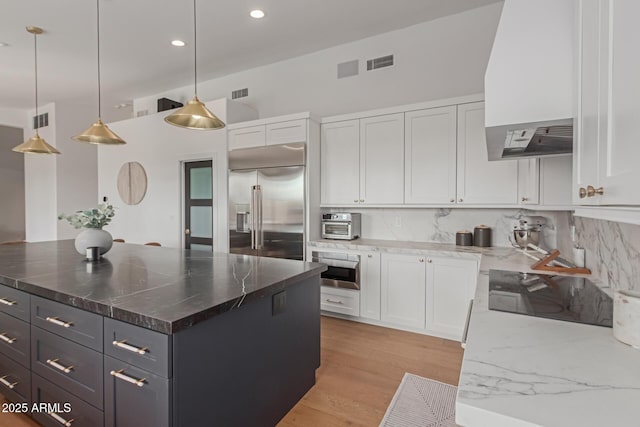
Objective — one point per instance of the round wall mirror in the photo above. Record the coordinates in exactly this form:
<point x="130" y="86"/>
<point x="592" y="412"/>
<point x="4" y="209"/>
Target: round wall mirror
<point x="132" y="183"/>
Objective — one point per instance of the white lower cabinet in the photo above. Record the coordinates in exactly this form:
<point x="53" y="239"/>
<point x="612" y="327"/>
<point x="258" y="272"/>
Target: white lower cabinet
<point x="429" y="293"/>
<point x="370" y="285"/>
<point x="403" y="289"/>
<point x="451" y="283"/>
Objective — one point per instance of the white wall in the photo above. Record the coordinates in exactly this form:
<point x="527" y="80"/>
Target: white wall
<point x="530" y="74"/>
<point x="161" y="148"/>
<point x="40" y="184"/>
<point x="11" y="185"/>
<point x="443" y="58"/>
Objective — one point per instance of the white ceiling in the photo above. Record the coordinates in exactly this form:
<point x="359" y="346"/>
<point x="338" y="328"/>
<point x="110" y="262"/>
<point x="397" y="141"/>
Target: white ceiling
<point x="137" y="59"/>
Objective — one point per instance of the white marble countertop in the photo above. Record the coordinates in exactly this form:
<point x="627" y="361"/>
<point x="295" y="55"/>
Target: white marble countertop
<point x="528" y="371"/>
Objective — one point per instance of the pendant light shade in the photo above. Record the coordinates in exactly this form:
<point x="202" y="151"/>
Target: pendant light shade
<point x="195" y="114"/>
<point x="99" y="133"/>
<point x="36" y="144"/>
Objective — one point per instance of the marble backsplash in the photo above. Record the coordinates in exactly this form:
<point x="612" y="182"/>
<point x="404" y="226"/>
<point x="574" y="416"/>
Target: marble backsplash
<point x="441" y="225"/>
<point x="612" y="251"/>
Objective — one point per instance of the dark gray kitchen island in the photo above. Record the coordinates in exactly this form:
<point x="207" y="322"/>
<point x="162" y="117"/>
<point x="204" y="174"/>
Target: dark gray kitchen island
<point x="153" y="336"/>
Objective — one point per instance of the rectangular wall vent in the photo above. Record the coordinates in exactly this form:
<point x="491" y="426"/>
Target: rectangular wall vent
<point x="141" y="113"/>
<point x="381" y="62"/>
<point x="240" y="93"/>
<point x="348" y="69"/>
<point x="41" y="120"/>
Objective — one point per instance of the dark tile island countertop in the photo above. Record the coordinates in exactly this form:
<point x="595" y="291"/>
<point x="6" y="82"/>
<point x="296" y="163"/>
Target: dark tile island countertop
<point x="162" y="289"/>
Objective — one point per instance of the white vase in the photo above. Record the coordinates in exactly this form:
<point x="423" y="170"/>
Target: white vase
<point x="94" y="237"/>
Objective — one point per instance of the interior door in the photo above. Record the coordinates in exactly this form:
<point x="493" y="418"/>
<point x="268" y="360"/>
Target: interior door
<point x="240" y="215"/>
<point x="282" y="229"/>
<point x="198" y="205"/>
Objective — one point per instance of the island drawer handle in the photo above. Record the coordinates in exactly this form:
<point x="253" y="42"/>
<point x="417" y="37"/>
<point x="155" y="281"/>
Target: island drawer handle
<point x="7" y="383"/>
<point x="5" y="338"/>
<point x="7" y="302"/>
<point x="123" y="344"/>
<point x="59" y="419"/>
<point x="58" y="322"/>
<point x="55" y="364"/>
<point x="334" y="301"/>
<point x="127" y="378"/>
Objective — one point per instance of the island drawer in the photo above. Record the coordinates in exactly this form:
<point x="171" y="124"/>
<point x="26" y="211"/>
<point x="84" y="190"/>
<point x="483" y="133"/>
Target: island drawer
<point x="58" y="407"/>
<point x="75" y="368"/>
<point x="134" y="397"/>
<point x="77" y="325"/>
<point x="337" y="300"/>
<point x="14" y="302"/>
<point x="138" y="346"/>
<point x="14" y="338"/>
<point x="15" y="381"/>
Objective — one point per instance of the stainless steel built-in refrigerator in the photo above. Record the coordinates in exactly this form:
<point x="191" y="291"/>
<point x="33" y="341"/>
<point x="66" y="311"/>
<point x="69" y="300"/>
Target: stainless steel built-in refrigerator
<point x="266" y="201"/>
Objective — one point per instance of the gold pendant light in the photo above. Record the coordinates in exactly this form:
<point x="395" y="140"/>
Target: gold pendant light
<point x="195" y="114"/>
<point x="99" y="133"/>
<point x="35" y="144"/>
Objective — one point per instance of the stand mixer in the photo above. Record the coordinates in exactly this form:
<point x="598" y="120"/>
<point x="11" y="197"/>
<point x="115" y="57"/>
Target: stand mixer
<point x="528" y="230"/>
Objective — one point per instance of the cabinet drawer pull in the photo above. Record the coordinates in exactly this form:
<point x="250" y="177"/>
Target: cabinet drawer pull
<point x="123" y="344"/>
<point x="7" y="302"/>
<point x="7" y="383"/>
<point x="55" y="364"/>
<point x="59" y="419"/>
<point x="333" y="301"/>
<point x="5" y="338"/>
<point x="58" y="322"/>
<point x="127" y="378"/>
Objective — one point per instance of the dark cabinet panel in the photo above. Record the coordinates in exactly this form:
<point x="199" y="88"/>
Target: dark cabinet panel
<point x="133" y="397"/>
<point x="73" y="367"/>
<point x="14" y="302"/>
<point x="14" y="339"/>
<point x="15" y="381"/>
<point x="72" y="323"/>
<point x="140" y="347"/>
<point x="53" y="411"/>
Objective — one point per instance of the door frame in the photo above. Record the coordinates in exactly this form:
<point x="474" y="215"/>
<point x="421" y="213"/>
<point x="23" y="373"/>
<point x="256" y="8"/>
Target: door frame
<point x="196" y="164"/>
<point x="219" y="177"/>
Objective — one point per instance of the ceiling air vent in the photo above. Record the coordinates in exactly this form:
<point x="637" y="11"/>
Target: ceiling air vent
<point x="348" y="69"/>
<point x="41" y="120"/>
<point x="240" y="93"/>
<point x="381" y="62"/>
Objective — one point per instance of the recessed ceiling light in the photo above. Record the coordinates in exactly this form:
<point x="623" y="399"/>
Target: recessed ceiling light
<point x="257" y="14"/>
<point x="178" y="43"/>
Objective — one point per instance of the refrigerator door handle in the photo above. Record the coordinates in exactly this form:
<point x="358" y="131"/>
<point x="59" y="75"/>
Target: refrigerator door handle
<point x="259" y="237"/>
<point x="252" y="210"/>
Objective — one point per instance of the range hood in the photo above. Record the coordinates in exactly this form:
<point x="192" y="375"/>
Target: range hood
<point x="526" y="140"/>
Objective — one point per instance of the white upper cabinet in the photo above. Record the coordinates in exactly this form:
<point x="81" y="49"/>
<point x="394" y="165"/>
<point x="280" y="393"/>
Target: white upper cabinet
<point x="382" y="159"/>
<point x="286" y="132"/>
<point x="529" y="182"/>
<point x="430" y="156"/>
<point x="479" y="181"/>
<point x="607" y="150"/>
<point x="271" y="131"/>
<point x="252" y="136"/>
<point x="340" y="163"/>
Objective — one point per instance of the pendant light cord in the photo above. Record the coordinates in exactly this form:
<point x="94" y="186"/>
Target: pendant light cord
<point x="35" y="62"/>
<point x="98" y="28"/>
<point x="195" y="51"/>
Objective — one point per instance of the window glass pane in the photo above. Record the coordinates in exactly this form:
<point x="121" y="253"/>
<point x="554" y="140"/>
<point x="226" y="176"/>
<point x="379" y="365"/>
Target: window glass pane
<point x="202" y="221"/>
<point x="201" y="183"/>
<point x="195" y="247"/>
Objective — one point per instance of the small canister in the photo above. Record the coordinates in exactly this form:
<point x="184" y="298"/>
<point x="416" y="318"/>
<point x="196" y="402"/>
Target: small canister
<point x="464" y="238"/>
<point x="482" y="236"/>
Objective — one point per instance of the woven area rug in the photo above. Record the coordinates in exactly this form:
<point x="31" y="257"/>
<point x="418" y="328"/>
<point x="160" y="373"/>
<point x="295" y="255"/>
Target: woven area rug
<point x="421" y="402"/>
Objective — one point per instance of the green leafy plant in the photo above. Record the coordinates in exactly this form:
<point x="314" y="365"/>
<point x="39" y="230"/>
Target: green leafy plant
<point x="93" y="218"/>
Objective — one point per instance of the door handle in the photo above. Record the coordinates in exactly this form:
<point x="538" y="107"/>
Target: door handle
<point x="187" y="231"/>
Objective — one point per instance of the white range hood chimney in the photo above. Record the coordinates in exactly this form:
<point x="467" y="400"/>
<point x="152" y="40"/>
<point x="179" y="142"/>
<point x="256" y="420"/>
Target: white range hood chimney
<point x="530" y="75"/>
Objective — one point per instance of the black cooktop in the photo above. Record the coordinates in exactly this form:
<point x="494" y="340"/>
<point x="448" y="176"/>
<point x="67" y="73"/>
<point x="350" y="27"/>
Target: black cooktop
<point x="573" y="299"/>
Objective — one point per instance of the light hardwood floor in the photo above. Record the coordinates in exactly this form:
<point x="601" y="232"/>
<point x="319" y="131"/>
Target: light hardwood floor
<point x="362" y="366"/>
